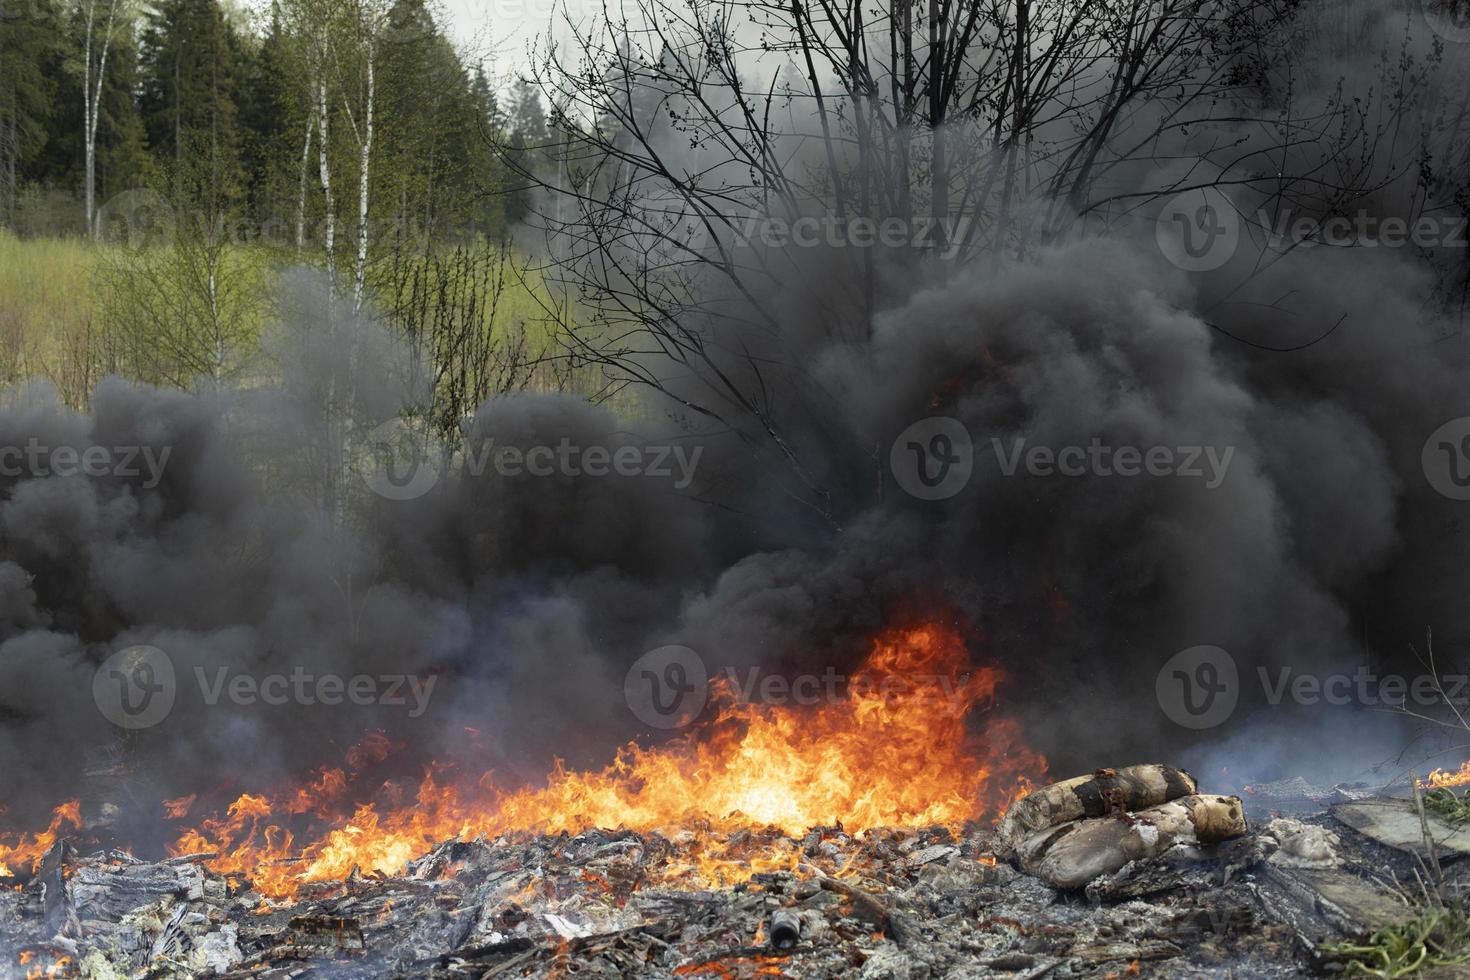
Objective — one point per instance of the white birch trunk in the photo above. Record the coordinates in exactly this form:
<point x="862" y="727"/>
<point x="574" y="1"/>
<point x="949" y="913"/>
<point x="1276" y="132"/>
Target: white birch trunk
<point x="359" y="275"/>
<point x="301" y="186"/>
<point x="91" y="103"/>
<point x="330" y="222"/>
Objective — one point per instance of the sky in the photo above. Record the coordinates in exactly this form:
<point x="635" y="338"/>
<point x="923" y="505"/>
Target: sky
<point x="503" y="30"/>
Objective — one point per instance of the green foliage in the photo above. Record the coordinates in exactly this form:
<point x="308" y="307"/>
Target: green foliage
<point x="26" y="91"/>
<point x="1445" y="804"/>
<point x="215" y="116"/>
<point x="1435" y="937"/>
<point x="188" y="83"/>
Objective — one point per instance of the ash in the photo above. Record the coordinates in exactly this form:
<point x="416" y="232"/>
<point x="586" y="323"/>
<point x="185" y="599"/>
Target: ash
<point x="899" y="903"/>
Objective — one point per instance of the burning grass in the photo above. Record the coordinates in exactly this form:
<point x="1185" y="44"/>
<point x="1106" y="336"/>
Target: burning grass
<point x="900" y="749"/>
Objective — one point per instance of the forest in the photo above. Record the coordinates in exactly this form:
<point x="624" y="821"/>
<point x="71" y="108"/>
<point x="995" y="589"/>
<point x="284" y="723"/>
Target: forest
<point x="160" y="163"/>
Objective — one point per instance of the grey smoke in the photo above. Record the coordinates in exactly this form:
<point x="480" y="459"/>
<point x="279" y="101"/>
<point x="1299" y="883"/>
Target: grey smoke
<point x="527" y="598"/>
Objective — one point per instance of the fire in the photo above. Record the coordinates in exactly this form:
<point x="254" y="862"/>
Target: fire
<point x="1440" y="779"/>
<point x="19" y="851"/>
<point x="897" y="747"/>
<point x="895" y="751"/>
<point x="759" y="966"/>
<point x="34" y="971"/>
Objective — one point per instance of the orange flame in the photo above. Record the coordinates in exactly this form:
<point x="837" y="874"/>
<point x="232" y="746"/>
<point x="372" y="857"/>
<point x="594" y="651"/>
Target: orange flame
<point x="20" y="851"/>
<point x="1440" y="779"/>
<point x="896" y="750"/>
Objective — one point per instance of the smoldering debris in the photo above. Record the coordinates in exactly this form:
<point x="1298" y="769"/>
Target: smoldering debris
<point x="901" y="901"/>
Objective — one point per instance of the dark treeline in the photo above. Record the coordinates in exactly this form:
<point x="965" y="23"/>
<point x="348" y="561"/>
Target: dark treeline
<point x="229" y="112"/>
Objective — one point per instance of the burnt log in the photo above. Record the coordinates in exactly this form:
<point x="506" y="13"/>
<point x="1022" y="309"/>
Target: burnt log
<point x="1104" y="792"/>
<point x="1073" y="854"/>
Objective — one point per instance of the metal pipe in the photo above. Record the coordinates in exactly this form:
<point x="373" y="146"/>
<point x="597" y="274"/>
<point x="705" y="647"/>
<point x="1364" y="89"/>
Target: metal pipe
<point x="784" y="929"/>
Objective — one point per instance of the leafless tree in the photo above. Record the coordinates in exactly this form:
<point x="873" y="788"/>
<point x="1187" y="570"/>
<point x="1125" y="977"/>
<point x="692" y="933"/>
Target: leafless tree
<point x="979" y="130"/>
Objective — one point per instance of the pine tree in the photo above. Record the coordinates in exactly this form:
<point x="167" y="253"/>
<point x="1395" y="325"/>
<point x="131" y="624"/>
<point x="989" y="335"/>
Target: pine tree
<point x="187" y="101"/>
<point x="26" y="93"/>
<point x="272" y="117"/>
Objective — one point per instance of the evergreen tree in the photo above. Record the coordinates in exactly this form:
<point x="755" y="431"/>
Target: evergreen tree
<point x="122" y="160"/>
<point x="187" y="96"/>
<point x="27" y="93"/>
<point x="272" y="117"/>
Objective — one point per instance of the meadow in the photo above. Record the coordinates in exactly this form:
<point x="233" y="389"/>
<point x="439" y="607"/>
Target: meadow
<point x="73" y="311"/>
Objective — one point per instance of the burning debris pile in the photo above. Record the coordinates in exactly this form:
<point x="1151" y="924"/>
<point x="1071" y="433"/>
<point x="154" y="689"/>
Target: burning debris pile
<point x="883" y="835"/>
<point x="1175" y="888"/>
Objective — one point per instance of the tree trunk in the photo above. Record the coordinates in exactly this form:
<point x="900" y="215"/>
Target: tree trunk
<point x="939" y="166"/>
<point x="301" y="186"/>
<point x="359" y="274"/>
<point x="91" y="104"/>
<point x="324" y="123"/>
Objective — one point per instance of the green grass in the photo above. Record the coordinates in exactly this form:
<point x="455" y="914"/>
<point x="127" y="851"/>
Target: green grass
<point x="63" y="301"/>
<point x="47" y="306"/>
<point x="1434" y="937"/>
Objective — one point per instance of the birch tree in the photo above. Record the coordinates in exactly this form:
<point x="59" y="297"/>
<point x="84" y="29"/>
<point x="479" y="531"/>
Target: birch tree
<point x="100" y="27"/>
<point x="366" y="19"/>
